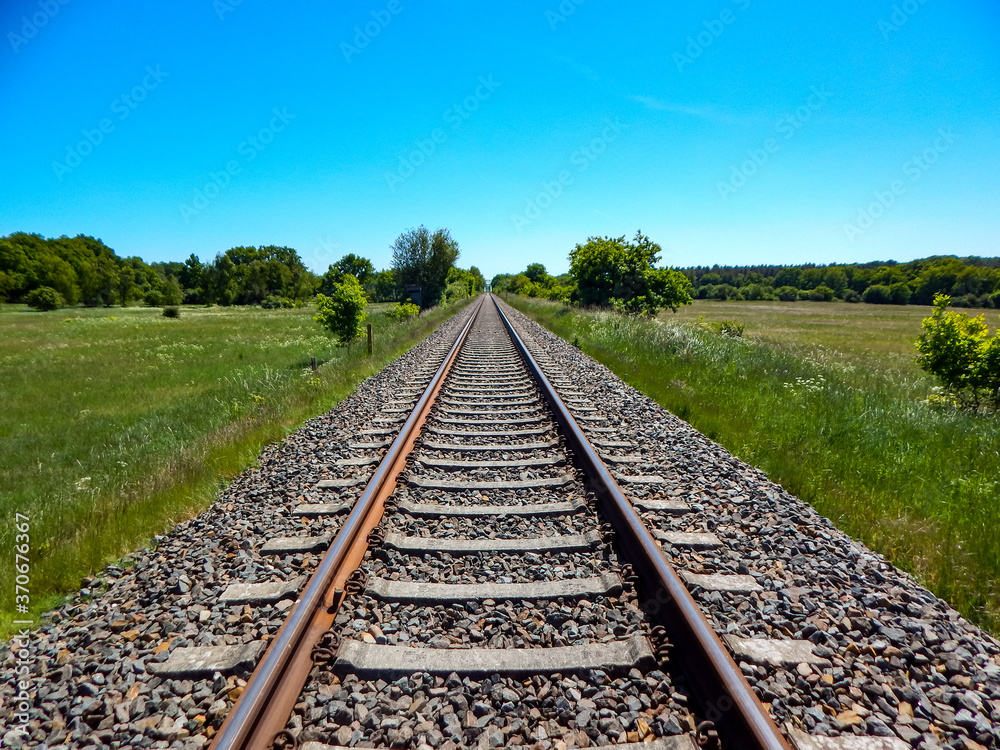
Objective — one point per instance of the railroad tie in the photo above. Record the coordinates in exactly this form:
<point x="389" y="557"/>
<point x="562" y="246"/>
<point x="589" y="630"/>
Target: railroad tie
<point x="606" y="584"/>
<point x="438" y="483"/>
<point x="439" y="510"/>
<point x="203" y="661"/>
<point x="616" y="657"/>
<point x="260" y="593"/>
<point x="559" y="543"/>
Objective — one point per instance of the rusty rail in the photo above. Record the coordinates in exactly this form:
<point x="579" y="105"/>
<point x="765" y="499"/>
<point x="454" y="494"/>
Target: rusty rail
<point x="261" y="712"/>
<point x="741" y="719"/>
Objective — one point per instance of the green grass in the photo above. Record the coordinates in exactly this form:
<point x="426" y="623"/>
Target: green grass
<point x="118" y="423"/>
<point x="827" y="401"/>
<point x="882" y="335"/>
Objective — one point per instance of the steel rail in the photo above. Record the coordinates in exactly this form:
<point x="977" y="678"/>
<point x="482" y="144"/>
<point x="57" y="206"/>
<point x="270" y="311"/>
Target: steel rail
<point x="741" y="719"/>
<point x="263" y="708"/>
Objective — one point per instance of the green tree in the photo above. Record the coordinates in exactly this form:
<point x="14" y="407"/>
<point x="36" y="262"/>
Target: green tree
<point x="384" y="287"/>
<point x="358" y="267"/>
<point x="955" y="349"/>
<point x="343" y="312"/>
<point x="822" y="293"/>
<point x="424" y="259"/>
<point x="172" y="292"/>
<point x="44" y="298"/>
<point x="536" y="272"/>
<point x="126" y="285"/>
<point x="877" y="294"/>
<point x="613" y="272"/>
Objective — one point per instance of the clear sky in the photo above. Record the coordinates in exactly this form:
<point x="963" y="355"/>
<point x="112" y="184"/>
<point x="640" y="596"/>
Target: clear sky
<point x="730" y="131"/>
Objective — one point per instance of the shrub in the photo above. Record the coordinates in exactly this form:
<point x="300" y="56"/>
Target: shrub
<point x="754" y="292"/>
<point x="787" y="293"/>
<point x="608" y="269"/>
<point x="899" y="294"/>
<point x="821" y="293"/>
<point x="720" y="292"/>
<point x="344" y="310"/>
<point x="851" y="296"/>
<point x="877" y="294"/>
<point x="957" y="351"/>
<point x="171" y="312"/>
<point x="402" y="311"/>
<point x="457" y="290"/>
<point x="274" y="302"/>
<point x="731" y="328"/>
<point x="153" y="298"/>
<point x="44" y="298"/>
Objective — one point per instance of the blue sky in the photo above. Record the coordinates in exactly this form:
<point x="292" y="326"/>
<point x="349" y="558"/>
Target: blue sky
<point x="730" y="131"/>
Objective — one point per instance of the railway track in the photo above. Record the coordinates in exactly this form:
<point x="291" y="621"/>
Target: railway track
<point x="451" y="521"/>
<point x="490" y="563"/>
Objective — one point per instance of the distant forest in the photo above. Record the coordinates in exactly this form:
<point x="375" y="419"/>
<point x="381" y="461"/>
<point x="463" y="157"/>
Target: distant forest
<point x="971" y="282"/>
<point x="83" y="270"/>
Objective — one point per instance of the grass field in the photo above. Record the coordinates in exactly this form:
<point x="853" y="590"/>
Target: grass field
<point x="117" y="423"/>
<point x="826" y="399"/>
<point x="860" y="334"/>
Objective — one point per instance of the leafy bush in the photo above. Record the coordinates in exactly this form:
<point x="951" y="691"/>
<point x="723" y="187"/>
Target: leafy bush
<point x="344" y="310"/>
<point x="274" y="302"/>
<point x="719" y="291"/>
<point x="822" y="293"/>
<point x="957" y="351"/>
<point x="171" y="312"/>
<point x="402" y="311"/>
<point x="44" y="298"/>
<point x="786" y="293"/>
<point x="734" y="329"/>
<point x="899" y="294"/>
<point x="877" y="294"/>
<point x="851" y="296"/>
<point x="757" y="292"/>
<point x="456" y="290"/>
<point x="608" y="269"/>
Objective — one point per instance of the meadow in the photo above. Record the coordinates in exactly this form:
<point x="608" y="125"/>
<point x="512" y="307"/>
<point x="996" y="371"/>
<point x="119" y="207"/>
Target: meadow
<point x="827" y="400"/>
<point x="118" y="423"/>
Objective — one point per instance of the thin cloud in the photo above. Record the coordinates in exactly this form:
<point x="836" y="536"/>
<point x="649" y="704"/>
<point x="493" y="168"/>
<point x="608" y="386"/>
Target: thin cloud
<point x="652" y="102"/>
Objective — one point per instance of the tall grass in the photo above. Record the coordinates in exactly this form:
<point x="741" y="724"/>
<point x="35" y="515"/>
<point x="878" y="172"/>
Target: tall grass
<point x="856" y="440"/>
<point x="117" y="424"/>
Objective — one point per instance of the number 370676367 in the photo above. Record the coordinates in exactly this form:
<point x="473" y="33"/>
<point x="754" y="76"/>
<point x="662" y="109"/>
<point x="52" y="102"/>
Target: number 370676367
<point x="22" y="565"/>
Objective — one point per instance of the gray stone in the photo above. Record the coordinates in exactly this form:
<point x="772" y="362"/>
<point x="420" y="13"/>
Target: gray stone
<point x="774" y="652"/>
<point x="802" y="741"/>
<point x="639" y="478"/>
<point x="718" y="582"/>
<point x="690" y="539"/>
<point x="675" y="507"/>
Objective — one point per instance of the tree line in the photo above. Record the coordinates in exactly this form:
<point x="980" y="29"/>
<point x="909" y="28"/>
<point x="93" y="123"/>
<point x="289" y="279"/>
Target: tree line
<point x="64" y="271"/>
<point x="614" y="273"/>
<point x="969" y="282"/>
